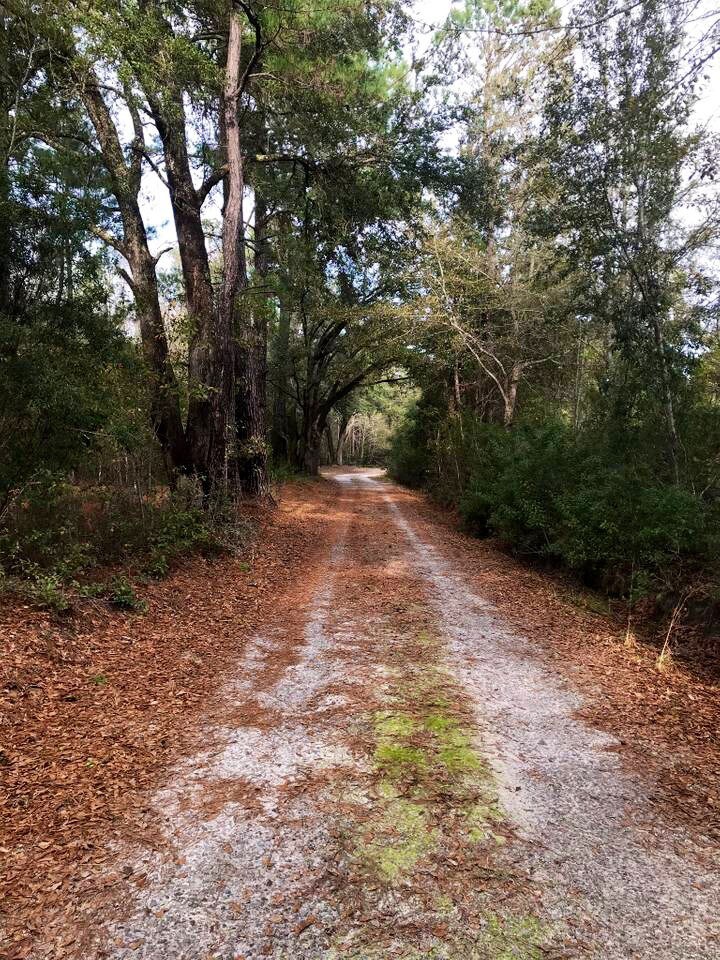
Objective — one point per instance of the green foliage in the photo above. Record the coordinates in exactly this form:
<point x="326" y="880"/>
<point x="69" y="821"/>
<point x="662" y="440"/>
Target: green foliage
<point x="178" y="532"/>
<point x="60" y="531"/>
<point x="566" y="327"/>
<point x="46" y="590"/>
<point x="564" y="498"/>
<point x="121" y="594"/>
<point x="410" y="460"/>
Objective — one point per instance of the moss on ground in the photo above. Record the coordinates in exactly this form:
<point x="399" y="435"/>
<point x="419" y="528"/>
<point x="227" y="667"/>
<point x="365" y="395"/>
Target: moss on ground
<point x="423" y="753"/>
<point x="422" y="740"/>
<point x="501" y="938"/>
<point x="435" y="794"/>
<point x="402" y="836"/>
<point x="481" y="817"/>
<point x="513" y="938"/>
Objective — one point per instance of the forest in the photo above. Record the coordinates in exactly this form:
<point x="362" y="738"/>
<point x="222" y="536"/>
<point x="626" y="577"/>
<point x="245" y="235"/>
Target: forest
<point x="237" y="238"/>
<point x="359" y="479"/>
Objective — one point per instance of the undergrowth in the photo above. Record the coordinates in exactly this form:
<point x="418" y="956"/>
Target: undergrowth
<point x="573" y="501"/>
<point x="57" y="539"/>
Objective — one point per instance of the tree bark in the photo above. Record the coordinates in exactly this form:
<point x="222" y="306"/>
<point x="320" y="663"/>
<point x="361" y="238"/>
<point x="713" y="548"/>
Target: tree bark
<point x="210" y="411"/>
<point x="234" y="273"/>
<point x="125" y="182"/>
<point x="311" y="445"/>
<point x="510" y="398"/>
<point x="280" y="432"/>
<point x="252" y="369"/>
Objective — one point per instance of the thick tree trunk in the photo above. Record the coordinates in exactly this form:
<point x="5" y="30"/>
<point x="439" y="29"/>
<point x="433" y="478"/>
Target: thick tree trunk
<point x="210" y="366"/>
<point x="164" y="392"/>
<point x="165" y="398"/>
<point x="209" y="408"/>
<point x="234" y="271"/>
<point x="311" y="448"/>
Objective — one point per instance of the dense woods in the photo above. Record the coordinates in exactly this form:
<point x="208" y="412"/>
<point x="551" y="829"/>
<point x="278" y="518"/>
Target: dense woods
<point x="241" y="238"/>
<point x="567" y="401"/>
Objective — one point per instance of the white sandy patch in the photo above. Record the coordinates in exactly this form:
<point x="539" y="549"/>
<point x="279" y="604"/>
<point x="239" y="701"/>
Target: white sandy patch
<point x="244" y="879"/>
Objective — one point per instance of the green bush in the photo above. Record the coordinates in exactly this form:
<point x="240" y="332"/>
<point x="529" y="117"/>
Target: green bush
<point x="46" y="590"/>
<point x="410" y="460"/>
<point x="121" y="594"/>
<point x="553" y="495"/>
<point x="180" y="531"/>
<point x="59" y="532"/>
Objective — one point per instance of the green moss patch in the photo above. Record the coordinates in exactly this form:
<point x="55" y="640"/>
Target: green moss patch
<point x="402" y="836"/>
<point x="513" y="938"/>
<point x="432" y="820"/>
<point x="423" y="741"/>
<point x="481" y="818"/>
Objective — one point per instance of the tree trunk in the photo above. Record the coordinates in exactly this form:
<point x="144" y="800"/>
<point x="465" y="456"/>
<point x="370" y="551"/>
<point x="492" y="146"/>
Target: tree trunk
<point x="280" y="433"/>
<point x="311" y="450"/>
<point x="332" y="450"/>
<point x="252" y="369"/>
<point x="208" y="414"/>
<point x="234" y="273"/>
<point x="164" y="392"/>
<point x="210" y="409"/>
<point x="510" y="398"/>
<point x="165" y="398"/>
<point x="673" y="440"/>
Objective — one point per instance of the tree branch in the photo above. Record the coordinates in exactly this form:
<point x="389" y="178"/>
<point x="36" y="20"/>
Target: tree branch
<point x="110" y="239"/>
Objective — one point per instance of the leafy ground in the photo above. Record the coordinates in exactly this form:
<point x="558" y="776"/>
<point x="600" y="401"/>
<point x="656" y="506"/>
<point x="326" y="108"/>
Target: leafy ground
<point x="373" y="737"/>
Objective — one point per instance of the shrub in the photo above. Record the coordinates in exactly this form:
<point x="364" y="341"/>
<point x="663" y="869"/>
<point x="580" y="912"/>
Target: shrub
<point x="121" y="594"/>
<point x="59" y="531"/>
<point x="46" y="591"/>
<point x="410" y="461"/>
<point x="551" y="494"/>
<point x="180" y="531"/>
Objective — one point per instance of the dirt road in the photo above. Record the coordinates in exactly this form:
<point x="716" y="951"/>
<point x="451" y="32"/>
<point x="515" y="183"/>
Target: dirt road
<point x="393" y="771"/>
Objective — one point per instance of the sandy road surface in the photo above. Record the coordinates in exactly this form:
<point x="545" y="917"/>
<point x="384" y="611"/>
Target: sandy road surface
<point x="399" y="774"/>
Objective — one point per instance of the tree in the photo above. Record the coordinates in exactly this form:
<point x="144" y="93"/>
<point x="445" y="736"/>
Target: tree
<point x="204" y="88"/>
<point x="494" y="312"/>
<point x="62" y="351"/>
<point x="347" y="208"/>
<point x="620" y="164"/>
